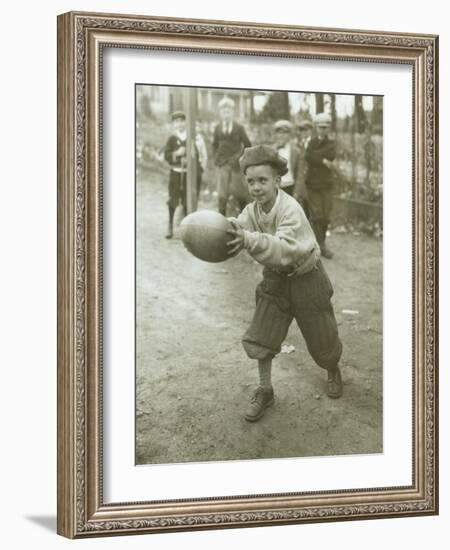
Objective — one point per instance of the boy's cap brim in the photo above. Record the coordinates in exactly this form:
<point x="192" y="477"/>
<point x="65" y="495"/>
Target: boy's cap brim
<point x="283" y="126"/>
<point x="322" y="120"/>
<point x="304" y="125"/>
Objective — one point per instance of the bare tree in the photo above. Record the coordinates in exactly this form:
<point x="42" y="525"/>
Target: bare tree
<point x="320" y="103"/>
<point x="360" y="115"/>
<point x="333" y="112"/>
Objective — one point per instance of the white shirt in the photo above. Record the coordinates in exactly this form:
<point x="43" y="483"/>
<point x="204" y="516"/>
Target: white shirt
<point x="288" y="178"/>
<point x="227" y="127"/>
<point x="182" y="136"/>
<point x="305" y="142"/>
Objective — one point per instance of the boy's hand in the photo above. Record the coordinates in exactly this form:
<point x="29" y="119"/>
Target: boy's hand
<point x="181" y="151"/>
<point x="327" y="162"/>
<point x="237" y="244"/>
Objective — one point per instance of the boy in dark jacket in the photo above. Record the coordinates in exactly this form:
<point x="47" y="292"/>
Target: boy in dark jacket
<point x="175" y="155"/>
<point x="229" y="141"/>
<point x="320" y="153"/>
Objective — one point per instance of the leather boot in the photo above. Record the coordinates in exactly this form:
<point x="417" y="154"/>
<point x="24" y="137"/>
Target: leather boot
<point x="261" y="400"/>
<point x="169" y="233"/>
<point x="334" y="384"/>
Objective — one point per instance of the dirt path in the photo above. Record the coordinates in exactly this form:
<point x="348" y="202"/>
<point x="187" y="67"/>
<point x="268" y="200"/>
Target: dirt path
<point x="194" y="379"/>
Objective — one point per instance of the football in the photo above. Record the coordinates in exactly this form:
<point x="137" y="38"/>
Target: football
<point x="204" y="234"/>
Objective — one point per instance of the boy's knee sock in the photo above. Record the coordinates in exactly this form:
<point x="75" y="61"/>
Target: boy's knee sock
<point x="318" y="231"/>
<point x="265" y="373"/>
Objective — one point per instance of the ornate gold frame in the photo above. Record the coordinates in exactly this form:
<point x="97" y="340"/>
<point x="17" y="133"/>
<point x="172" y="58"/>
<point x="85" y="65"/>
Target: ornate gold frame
<point x="81" y="37"/>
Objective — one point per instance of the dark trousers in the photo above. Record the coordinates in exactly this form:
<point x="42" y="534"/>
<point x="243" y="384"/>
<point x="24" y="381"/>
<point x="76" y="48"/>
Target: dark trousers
<point x="305" y="298"/>
<point x="320" y="203"/>
<point x="177" y="189"/>
<point x="199" y="180"/>
<point x="230" y="182"/>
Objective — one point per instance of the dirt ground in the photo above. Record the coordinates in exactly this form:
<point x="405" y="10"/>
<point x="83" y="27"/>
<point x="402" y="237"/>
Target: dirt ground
<point x="193" y="379"/>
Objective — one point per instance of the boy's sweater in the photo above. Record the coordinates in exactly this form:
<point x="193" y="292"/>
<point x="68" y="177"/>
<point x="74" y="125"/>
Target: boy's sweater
<point x="282" y="239"/>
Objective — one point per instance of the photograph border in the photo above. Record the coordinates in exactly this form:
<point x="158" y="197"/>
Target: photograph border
<point x="81" y="39"/>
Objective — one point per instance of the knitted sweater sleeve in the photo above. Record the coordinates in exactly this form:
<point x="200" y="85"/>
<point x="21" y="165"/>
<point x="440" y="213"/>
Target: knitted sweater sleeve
<point x="283" y="249"/>
<point x="291" y="245"/>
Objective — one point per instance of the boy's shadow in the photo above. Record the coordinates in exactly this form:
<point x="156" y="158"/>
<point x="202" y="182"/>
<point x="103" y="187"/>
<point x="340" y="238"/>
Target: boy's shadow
<point x="47" y="522"/>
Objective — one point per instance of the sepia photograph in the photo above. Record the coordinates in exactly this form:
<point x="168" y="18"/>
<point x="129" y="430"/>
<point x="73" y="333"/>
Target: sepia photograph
<point x="259" y="274"/>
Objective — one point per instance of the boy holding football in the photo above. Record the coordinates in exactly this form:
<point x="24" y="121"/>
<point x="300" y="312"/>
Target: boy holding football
<point x="275" y="232"/>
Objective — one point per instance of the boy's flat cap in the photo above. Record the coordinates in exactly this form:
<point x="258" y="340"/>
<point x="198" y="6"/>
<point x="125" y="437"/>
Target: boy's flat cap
<point x="304" y="124"/>
<point x="282" y="126"/>
<point x="260" y="155"/>
<point x="178" y="114"/>
<point x="322" y="119"/>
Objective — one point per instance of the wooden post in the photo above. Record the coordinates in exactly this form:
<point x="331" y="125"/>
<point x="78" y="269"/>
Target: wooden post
<point x="353" y="130"/>
<point x="190" y="102"/>
<point x="320" y="104"/>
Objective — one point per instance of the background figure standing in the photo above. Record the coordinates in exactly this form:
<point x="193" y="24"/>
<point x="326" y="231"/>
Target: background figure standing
<point x="229" y="141"/>
<point x="202" y="157"/>
<point x="175" y="155"/>
<point x="304" y="131"/>
<point x="175" y="152"/>
<point x="289" y="151"/>
<point x="320" y="153"/>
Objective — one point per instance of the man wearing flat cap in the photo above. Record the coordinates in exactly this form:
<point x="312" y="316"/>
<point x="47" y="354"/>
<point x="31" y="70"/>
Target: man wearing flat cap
<point x="320" y="154"/>
<point x="229" y="140"/>
<point x="275" y="231"/>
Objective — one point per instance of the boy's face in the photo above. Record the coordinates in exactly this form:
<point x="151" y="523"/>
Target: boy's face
<point x="262" y="184"/>
<point x="226" y="114"/>
<point x="179" y="124"/>
<point x="322" y="131"/>
<point x="282" y="138"/>
<point x="304" y="133"/>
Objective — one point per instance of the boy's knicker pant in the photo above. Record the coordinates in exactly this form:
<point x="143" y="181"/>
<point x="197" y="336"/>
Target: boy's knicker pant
<point x="307" y="298"/>
<point x="231" y="182"/>
<point x="177" y="189"/>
